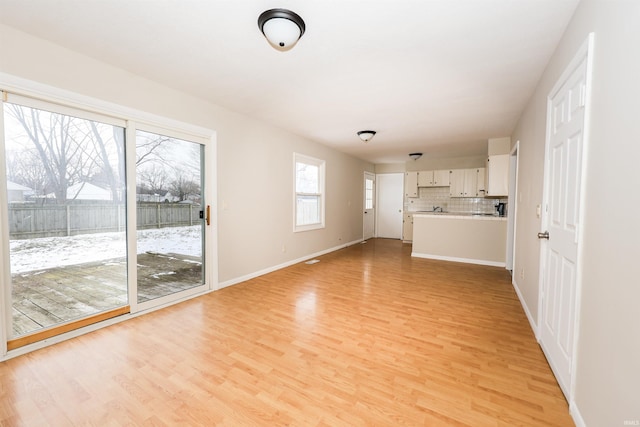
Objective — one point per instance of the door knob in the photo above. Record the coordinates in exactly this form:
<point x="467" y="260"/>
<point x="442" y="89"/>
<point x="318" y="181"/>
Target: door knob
<point x="544" y="235"/>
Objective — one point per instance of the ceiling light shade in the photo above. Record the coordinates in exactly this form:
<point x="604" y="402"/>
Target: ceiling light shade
<point x="281" y="27"/>
<point x="415" y="156"/>
<point x="366" y="135"/>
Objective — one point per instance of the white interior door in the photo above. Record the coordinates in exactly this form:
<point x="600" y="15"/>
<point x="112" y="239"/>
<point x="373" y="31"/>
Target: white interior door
<point x="390" y="197"/>
<point x="369" y="215"/>
<point x="560" y="244"/>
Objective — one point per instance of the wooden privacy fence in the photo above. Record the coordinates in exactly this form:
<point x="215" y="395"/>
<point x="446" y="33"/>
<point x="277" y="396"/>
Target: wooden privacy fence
<point x="30" y="221"/>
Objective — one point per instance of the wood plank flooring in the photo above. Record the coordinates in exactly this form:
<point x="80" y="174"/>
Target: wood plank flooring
<point x="367" y="336"/>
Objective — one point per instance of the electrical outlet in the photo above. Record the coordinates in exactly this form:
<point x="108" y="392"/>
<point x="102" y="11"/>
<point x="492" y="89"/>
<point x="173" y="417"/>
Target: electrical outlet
<point x="522" y="273"/>
<point x="284" y="248"/>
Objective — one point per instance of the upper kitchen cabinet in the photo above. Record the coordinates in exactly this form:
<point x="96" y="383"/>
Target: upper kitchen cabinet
<point x="437" y="178"/>
<point x="466" y="182"/>
<point x="482" y="184"/>
<point x="411" y="184"/>
<point x="497" y="175"/>
<point x="441" y="178"/>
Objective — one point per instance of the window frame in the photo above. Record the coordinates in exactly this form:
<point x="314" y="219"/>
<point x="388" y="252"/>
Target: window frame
<point x="61" y="101"/>
<point x="321" y="164"/>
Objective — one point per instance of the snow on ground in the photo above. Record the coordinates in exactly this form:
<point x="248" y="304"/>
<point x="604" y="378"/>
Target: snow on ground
<point x="48" y="252"/>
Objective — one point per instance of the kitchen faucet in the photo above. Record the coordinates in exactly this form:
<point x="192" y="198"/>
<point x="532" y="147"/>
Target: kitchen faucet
<point x="437" y="209"/>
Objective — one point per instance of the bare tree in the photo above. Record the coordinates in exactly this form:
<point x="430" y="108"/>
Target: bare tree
<point x="183" y="187"/>
<point x="25" y="168"/>
<point x="153" y="178"/>
<point x="63" y="144"/>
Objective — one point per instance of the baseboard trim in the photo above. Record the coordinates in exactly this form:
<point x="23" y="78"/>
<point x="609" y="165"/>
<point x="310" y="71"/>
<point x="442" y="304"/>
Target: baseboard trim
<point x="268" y="270"/>
<point x="455" y="259"/>
<point x="533" y="324"/>
<point x="576" y="415"/>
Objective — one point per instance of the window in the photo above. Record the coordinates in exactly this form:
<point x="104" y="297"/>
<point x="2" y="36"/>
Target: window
<point x="309" y="193"/>
<point x="368" y="193"/>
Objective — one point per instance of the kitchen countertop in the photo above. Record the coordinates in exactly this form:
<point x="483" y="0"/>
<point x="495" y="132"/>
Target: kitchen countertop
<point x="460" y="215"/>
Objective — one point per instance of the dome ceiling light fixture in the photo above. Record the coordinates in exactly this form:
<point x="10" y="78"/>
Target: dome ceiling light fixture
<point x="281" y="27"/>
<point x="415" y="156"/>
<point x="366" y="135"/>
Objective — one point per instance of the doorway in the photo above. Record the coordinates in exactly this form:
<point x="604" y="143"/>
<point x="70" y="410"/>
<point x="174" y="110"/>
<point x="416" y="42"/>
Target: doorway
<point x="562" y="217"/>
<point x="390" y="196"/>
<point x="369" y="215"/>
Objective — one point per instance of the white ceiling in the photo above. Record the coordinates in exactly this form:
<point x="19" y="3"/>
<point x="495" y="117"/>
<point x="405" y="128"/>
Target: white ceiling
<point x="436" y="76"/>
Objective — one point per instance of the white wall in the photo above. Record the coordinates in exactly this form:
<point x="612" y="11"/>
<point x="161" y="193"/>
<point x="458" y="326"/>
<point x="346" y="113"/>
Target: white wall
<point x="255" y="160"/>
<point x="607" y="379"/>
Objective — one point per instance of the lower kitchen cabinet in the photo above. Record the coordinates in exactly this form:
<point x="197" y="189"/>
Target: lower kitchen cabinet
<point x="407" y="227"/>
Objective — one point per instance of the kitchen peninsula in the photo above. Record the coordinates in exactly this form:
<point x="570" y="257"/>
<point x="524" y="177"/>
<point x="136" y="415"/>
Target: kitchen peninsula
<point x="475" y="239"/>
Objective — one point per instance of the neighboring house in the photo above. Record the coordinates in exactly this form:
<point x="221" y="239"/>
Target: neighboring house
<point x="17" y="192"/>
<point x="85" y="191"/>
<point x="156" y="198"/>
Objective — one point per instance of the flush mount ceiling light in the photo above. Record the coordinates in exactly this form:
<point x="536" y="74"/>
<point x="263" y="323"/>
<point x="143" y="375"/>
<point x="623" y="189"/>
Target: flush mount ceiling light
<point x="366" y="135"/>
<point x="415" y="156"/>
<point x="281" y="27"/>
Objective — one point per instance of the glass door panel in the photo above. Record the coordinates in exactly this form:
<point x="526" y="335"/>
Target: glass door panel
<point x="65" y="184"/>
<point x="170" y="215"/>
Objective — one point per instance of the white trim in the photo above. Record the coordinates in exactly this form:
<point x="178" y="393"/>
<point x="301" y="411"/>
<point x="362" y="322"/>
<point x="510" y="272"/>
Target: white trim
<point x="456" y="259"/>
<point x="576" y="415"/>
<point x="5" y="262"/>
<point x="512" y="207"/>
<point x="321" y="164"/>
<point x="587" y="50"/>
<point x="534" y="326"/>
<point x="211" y="231"/>
<point x="96" y="109"/>
<point x="372" y="176"/>
<point x="132" y="214"/>
<point x="54" y="95"/>
<point x="584" y="53"/>
<point x="284" y="265"/>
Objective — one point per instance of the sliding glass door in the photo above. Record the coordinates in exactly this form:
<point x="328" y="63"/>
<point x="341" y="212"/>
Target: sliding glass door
<point x="77" y="248"/>
<point x="65" y="189"/>
<point x="171" y="215"/>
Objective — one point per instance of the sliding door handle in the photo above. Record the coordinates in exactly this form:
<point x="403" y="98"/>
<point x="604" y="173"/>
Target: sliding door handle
<point x="208" y="216"/>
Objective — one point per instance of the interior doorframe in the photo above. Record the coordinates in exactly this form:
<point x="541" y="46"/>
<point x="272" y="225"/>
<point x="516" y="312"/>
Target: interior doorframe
<point x="584" y="53"/>
<point x="512" y="207"/>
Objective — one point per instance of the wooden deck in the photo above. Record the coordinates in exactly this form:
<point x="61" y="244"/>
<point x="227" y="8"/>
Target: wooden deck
<point x="48" y="297"/>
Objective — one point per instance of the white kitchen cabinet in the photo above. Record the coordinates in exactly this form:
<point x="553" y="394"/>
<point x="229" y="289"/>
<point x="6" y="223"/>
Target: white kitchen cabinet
<point x="425" y="179"/>
<point x="435" y="178"/>
<point x="407" y="227"/>
<point x="464" y="182"/>
<point x="456" y="183"/>
<point x="441" y="178"/>
<point x="411" y="184"/>
<point x="497" y="175"/>
<point x="481" y="189"/>
<point x="470" y="183"/>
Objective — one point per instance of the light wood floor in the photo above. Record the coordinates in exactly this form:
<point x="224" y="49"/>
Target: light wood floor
<point x="367" y="336"/>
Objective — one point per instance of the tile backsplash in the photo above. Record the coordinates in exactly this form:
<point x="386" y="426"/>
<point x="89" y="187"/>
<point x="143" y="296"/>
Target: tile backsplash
<point x="428" y="197"/>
